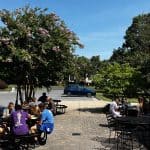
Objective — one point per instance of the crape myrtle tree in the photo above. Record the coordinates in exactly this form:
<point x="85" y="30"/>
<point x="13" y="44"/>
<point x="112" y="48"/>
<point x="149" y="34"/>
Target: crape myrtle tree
<point x="35" y="48"/>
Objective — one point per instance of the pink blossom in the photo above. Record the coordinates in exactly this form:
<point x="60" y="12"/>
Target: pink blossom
<point x="56" y="48"/>
<point x="43" y="31"/>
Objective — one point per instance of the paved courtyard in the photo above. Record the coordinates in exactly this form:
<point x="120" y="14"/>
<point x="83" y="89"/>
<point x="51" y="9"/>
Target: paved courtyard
<point x="82" y="127"/>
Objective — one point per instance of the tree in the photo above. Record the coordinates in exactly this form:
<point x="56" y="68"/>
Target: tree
<point x="95" y="64"/>
<point x="138" y="34"/>
<point x="35" y="46"/>
<point x="114" y="78"/>
<point x="83" y="67"/>
<point x="136" y="49"/>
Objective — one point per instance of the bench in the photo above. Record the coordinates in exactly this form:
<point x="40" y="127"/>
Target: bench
<point x="61" y="109"/>
<point x="23" y="141"/>
<point x="30" y="138"/>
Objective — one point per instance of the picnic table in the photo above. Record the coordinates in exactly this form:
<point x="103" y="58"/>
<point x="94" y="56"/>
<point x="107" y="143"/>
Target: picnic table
<point x="56" y="101"/>
<point x="21" y="141"/>
<point x="59" y="107"/>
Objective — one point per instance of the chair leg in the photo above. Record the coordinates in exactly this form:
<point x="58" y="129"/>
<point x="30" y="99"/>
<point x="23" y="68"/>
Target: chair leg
<point x="109" y="135"/>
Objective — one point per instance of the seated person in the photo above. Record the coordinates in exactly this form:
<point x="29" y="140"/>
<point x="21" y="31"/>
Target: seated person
<point x="46" y="122"/>
<point x="25" y="104"/>
<point x="33" y="101"/>
<point x="4" y="128"/>
<point x="43" y="98"/>
<point x="18" y="121"/>
<point x="124" y="106"/>
<point x="6" y="118"/>
<point x="140" y="106"/>
<point x="34" y="110"/>
<point x="51" y="105"/>
<point x="113" y="108"/>
<point x="7" y="111"/>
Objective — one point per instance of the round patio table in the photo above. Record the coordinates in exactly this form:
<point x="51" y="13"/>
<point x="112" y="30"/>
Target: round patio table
<point x="134" y="121"/>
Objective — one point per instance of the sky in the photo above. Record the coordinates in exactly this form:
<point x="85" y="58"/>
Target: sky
<point x="99" y="24"/>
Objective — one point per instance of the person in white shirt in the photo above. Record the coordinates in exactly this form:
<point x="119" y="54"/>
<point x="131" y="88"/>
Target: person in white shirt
<point x="113" y="108"/>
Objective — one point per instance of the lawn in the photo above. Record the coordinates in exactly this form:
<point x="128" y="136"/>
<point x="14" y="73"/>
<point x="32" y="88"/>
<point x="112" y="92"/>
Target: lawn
<point x="100" y="96"/>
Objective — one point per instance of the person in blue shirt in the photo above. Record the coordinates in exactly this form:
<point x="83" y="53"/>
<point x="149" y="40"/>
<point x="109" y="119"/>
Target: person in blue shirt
<point x="46" y="122"/>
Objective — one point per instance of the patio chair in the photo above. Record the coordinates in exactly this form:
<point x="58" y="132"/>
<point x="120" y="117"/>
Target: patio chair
<point x="111" y="124"/>
<point x="125" y="138"/>
<point x="142" y="135"/>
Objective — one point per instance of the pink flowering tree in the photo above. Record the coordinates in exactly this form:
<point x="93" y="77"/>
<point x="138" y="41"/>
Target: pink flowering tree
<point x="36" y="48"/>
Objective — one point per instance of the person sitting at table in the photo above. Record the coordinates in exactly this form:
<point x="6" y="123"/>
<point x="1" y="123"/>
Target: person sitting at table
<point x="114" y="108"/>
<point x="51" y="105"/>
<point x="6" y="117"/>
<point x="140" y="105"/>
<point x="33" y="101"/>
<point x="124" y="106"/>
<point x="7" y="111"/>
<point x="46" y="122"/>
<point x="43" y="98"/>
<point x="34" y="109"/>
<point x="18" y="121"/>
<point x="2" y="130"/>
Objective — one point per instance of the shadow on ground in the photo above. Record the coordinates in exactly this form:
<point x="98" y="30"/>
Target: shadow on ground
<point x="105" y="143"/>
<point x="98" y="110"/>
<point x="74" y="96"/>
<point x="103" y="125"/>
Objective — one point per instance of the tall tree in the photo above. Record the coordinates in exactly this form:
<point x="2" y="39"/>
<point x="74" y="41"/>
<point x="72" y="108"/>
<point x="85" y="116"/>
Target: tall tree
<point x="83" y="67"/>
<point x="136" y="48"/>
<point x="35" y="46"/>
<point x="95" y="64"/>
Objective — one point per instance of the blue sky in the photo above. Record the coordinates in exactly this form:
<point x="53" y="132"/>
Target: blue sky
<point x="100" y="24"/>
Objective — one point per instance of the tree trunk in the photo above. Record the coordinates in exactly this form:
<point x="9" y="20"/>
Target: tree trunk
<point x="28" y="92"/>
<point x="19" y="95"/>
<point x="32" y="92"/>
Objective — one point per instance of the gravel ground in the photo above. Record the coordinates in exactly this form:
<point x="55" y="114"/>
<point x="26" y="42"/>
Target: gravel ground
<point x="82" y="127"/>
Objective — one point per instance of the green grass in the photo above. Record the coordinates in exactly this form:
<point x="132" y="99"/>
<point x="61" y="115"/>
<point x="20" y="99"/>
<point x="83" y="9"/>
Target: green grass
<point x="100" y="96"/>
<point x="132" y="100"/>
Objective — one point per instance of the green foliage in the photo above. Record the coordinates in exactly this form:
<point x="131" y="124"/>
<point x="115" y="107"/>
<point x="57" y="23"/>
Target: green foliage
<point x="36" y="46"/>
<point x="138" y="34"/>
<point x="136" y="50"/>
<point x="114" y="78"/>
<point x="82" y="67"/>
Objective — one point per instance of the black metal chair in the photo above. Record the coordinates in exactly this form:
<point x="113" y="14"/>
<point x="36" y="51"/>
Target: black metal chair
<point x="142" y="135"/>
<point x="125" y="138"/>
<point x="111" y="124"/>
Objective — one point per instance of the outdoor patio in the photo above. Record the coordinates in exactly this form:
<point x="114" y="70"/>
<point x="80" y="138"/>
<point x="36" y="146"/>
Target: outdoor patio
<point x="82" y="127"/>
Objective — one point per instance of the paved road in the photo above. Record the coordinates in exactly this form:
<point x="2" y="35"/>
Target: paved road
<point x="6" y="97"/>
